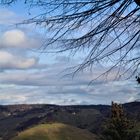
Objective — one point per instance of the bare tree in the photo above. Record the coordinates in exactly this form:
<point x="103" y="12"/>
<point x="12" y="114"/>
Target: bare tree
<point x="108" y="31"/>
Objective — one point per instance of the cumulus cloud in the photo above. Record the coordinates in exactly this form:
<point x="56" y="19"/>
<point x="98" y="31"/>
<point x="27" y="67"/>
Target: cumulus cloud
<point x="11" y="61"/>
<point x="16" y="38"/>
<point x="15" y="46"/>
<point x="14" y="51"/>
<point x="13" y="38"/>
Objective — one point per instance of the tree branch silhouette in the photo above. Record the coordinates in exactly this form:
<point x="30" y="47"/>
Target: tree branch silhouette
<point x="107" y="30"/>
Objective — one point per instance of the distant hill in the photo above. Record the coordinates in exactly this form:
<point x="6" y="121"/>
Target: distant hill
<point x="17" y="118"/>
<point x="55" y="131"/>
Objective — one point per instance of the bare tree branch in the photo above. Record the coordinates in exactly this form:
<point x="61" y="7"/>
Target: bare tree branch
<point x="108" y="30"/>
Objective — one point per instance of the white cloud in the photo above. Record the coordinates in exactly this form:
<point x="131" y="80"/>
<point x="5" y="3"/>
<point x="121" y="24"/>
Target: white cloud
<point x="16" y="44"/>
<point x="68" y="95"/>
<point x="16" y="38"/>
<point x="11" y="61"/>
<point x="46" y="87"/>
<point x="13" y="38"/>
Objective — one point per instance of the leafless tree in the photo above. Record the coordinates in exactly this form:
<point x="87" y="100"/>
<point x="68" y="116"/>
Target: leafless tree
<point x="108" y="31"/>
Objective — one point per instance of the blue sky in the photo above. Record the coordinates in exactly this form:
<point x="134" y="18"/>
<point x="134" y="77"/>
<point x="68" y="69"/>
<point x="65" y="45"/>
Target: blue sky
<point x="26" y="76"/>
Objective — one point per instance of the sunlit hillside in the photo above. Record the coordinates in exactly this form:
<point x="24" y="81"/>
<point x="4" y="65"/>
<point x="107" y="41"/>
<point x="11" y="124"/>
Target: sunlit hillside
<point x="55" y="131"/>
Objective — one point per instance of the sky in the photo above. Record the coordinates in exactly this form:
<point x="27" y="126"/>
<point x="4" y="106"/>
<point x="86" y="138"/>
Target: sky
<point x="28" y="76"/>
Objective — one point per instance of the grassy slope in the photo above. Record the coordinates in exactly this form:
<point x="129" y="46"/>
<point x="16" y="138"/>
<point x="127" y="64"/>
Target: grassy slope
<point x="55" y="131"/>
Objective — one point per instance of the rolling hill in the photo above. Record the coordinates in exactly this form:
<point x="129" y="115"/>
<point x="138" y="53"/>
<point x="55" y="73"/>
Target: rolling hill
<point x="17" y="118"/>
<point x="55" y="131"/>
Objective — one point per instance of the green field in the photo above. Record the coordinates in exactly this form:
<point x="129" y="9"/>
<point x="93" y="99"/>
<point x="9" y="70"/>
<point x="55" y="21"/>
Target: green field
<point x="55" y="131"/>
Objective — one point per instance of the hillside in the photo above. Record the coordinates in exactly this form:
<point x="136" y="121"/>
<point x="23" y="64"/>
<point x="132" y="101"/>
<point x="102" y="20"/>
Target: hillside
<point x="55" y="131"/>
<point x="17" y="118"/>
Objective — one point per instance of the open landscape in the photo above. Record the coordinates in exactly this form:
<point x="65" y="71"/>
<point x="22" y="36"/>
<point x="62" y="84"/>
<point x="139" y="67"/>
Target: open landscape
<point x="69" y="69"/>
<point x="83" y="122"/>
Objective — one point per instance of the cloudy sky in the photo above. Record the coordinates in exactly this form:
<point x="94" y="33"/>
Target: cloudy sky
<point x="28" y="76"/>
